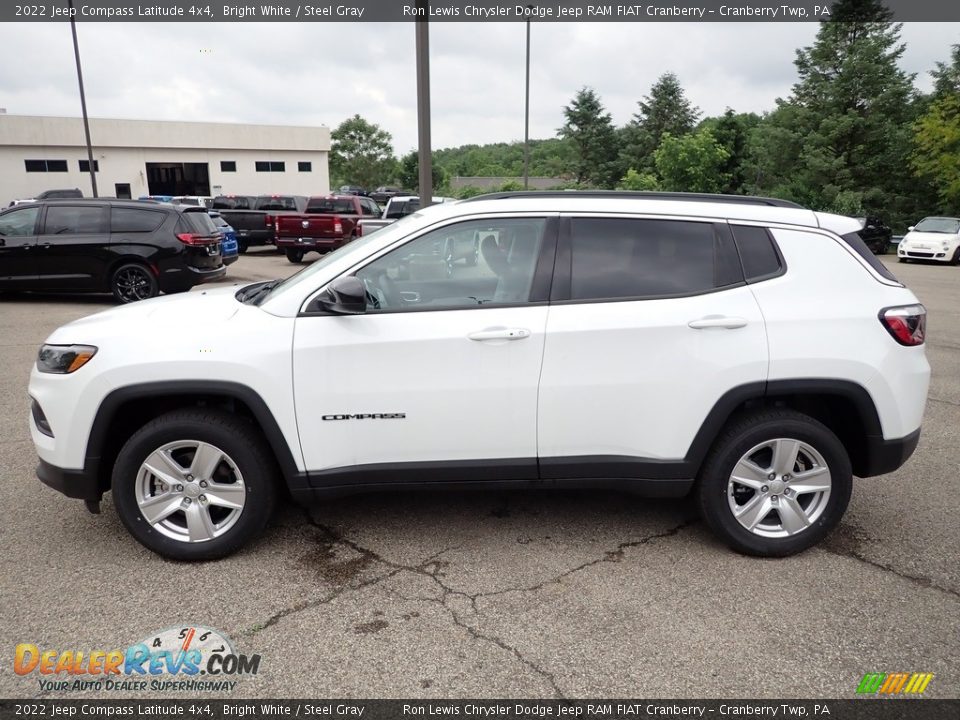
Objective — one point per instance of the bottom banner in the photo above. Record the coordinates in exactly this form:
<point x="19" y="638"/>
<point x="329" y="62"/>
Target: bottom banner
<point x="849" y="709"/>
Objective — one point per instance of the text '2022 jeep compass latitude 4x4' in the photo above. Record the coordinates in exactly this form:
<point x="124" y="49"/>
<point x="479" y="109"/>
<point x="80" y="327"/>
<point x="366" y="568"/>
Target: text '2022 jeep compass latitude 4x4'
<point x="746" y="350"/>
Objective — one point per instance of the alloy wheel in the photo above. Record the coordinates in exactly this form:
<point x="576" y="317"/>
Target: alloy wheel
<point x="779" y="488"/>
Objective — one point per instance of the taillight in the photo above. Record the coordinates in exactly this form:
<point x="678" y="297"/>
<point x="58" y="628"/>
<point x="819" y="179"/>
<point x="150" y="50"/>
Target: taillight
<point x="907" y="324"/>
<point x="358" y="230"/>
<point x="269" y="220"/>
<point x="338" y="227"/>
<point x="194" y="239"/>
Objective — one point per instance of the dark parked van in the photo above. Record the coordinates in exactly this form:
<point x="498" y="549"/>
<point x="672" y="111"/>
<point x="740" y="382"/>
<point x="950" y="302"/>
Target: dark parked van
<point x="132" y="249"/>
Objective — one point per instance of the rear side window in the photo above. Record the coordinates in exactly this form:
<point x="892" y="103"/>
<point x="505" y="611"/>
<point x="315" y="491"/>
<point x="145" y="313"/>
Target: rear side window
<point x="758" y="253"/>
<point x="231" y="203"/>
<point x="275" y="203"/>
<point x="613" y="258"/>
<point x="128" y="220"/>
<point x="331" y="205"/>
<point x="199" y="223"/>
<point x="75" y="220"/>
<point x="860" y="248"/>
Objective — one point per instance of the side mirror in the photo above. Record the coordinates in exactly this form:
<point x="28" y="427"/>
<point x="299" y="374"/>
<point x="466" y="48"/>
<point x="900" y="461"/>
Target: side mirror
<point x="911" y="228"/>
<point x="344" y="296"/>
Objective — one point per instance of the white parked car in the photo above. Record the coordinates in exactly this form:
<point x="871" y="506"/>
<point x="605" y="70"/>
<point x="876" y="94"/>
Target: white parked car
<point x="748" y="351"/>
<point x="933" y="238"/>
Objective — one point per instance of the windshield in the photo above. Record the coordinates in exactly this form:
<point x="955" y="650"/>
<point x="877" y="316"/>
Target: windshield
<point x="385" y="236"/>
<point x="939" y="225"/>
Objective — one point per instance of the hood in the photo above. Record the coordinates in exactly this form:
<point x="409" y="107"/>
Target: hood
<point x="931" y="239"/>
<point x="188" y="310"/>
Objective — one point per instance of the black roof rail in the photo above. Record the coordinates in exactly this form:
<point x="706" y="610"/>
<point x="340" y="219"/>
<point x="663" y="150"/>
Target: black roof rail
<point x="640" y="195"/>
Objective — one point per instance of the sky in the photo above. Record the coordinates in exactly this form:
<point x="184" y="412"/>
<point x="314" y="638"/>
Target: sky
<point x="321" y="74"/>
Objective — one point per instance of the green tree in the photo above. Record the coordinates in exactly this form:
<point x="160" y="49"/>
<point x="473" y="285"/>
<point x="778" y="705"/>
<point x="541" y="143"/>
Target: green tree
<point x="937" y="154"/>
<point x="361" y="153"/>
<point x="634" y="180"/>
<point x="409" y="173"/>
<point x="665" y="110"/>
<point x="946" y="78"/>
<point x="733" y="130"/>
<point x="847" y="125"/>
<point x="691" y="163"/>
<point x="590" y="131"/>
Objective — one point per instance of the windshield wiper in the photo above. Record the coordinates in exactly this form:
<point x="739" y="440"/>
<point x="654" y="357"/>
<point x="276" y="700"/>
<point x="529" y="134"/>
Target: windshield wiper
<point x="258" y="291"/>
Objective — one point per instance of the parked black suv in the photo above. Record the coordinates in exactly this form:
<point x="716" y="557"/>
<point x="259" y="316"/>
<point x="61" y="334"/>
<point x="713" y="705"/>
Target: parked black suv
<point x="133" y="249"/>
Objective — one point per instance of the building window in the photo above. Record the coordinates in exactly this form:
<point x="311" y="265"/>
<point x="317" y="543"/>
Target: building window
<point x="46" y="165"/>
<point x="305" y="166"/>
<point x="228" y="166"/>
<point x="85" y="166"/>
<point x="271" y="166"/>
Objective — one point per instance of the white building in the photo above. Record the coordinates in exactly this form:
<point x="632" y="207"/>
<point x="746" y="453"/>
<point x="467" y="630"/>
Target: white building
<point x="134" y="158"/>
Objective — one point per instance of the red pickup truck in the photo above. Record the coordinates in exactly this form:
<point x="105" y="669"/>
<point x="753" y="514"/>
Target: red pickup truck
<point x="328" y="222"/>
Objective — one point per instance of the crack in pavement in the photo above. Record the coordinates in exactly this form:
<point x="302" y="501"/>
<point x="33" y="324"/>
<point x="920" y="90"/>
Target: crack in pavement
<point x="944" y="401"/>
<point x="915" y="579"/>
<point x="430" y="568"/>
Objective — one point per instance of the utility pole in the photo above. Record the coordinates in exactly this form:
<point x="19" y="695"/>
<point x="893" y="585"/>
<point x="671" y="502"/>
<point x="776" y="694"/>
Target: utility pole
<point x="423" y="105"/>
<point x="526" y="119"/>
<point x="83" y="101"/>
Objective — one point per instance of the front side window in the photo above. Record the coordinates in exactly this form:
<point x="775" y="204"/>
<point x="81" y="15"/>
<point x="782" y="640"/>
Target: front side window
<point x="19" y="223"/>
<point x="74" y="220"/>
<point x="621" y="258"/>
<point x="476" y="263"/>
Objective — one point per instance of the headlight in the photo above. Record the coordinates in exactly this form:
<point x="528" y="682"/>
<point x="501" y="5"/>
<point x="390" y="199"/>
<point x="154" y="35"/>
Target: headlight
<point x="64" y="359"/>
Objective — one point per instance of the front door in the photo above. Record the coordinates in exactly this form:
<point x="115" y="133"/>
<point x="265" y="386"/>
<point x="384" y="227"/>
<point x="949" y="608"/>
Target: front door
<point x="18" y="239"/>
<point x="438" y="379"/>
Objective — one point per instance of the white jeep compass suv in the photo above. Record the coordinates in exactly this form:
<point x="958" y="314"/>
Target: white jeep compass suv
<point x="746" y="350"/>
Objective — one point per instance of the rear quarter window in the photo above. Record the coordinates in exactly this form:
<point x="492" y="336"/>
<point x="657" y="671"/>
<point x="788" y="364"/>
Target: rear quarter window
<point x="129" y="220"/>
<point x="199" y="222"/>
<point x="758" y="253"/>
<point x="857" y="244"/>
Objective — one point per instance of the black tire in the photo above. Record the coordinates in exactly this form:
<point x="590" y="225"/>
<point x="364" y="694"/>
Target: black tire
<point x="294" y="255"/>
<point x="238" y="439"/>
<point x="956" y="257"/>
<point x="903" y="259"/>
<point x="736" y="440"/>
<point x="132" y="282"/>
<point x="242" y="246"/>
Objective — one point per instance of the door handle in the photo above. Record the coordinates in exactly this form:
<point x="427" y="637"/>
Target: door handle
<point x="500" y="334"/>
<point x="717" y="321"/>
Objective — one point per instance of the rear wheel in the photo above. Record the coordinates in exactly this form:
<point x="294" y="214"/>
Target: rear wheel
<point x="132" y="282"/>
<point x="242" y="246"/>
<point x="775" y="483"/>
<point x="294" y="255"/>
<point x="194" y="484"/>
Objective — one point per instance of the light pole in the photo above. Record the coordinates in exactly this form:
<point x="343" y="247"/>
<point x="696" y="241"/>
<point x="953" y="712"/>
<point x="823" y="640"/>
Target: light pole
<point x="83" y="101"/>
<point x="526" y="114"/>
<point x="423" y="107"/>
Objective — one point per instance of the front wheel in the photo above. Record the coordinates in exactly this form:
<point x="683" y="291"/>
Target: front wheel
<point x="956" y="257"/>
<point x="132" y="282"/>
<point x="775" y="483"/>
<point x="294" y="255"/>
<point x="194" y="484"/>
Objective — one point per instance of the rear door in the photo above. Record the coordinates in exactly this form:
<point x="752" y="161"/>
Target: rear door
<point x="18" y="239"/>
<point x="650" y="324"/>
<point x="73" y="247"/>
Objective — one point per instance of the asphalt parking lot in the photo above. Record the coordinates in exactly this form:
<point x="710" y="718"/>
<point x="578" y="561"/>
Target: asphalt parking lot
<point x="518" y="594"/>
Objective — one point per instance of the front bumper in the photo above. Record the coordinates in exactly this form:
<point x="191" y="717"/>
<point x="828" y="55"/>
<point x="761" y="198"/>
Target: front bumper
<point x="80" y="484"/>
<point x="925" y="253"/>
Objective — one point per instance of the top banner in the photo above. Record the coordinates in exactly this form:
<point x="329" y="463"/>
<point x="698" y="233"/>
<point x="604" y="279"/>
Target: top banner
<point x="460" y="11"/>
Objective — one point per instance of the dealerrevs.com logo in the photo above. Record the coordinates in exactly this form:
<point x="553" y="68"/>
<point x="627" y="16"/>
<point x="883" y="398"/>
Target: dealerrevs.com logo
<point x="898" y="683"/>
<point x="188" y="658"/>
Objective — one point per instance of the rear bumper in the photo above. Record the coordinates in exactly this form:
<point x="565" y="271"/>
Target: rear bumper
<point x="885" y="456"/>
<point x="325" y="243"/>
<point x="255" y="237"/>
<point x="79" y="484"/>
